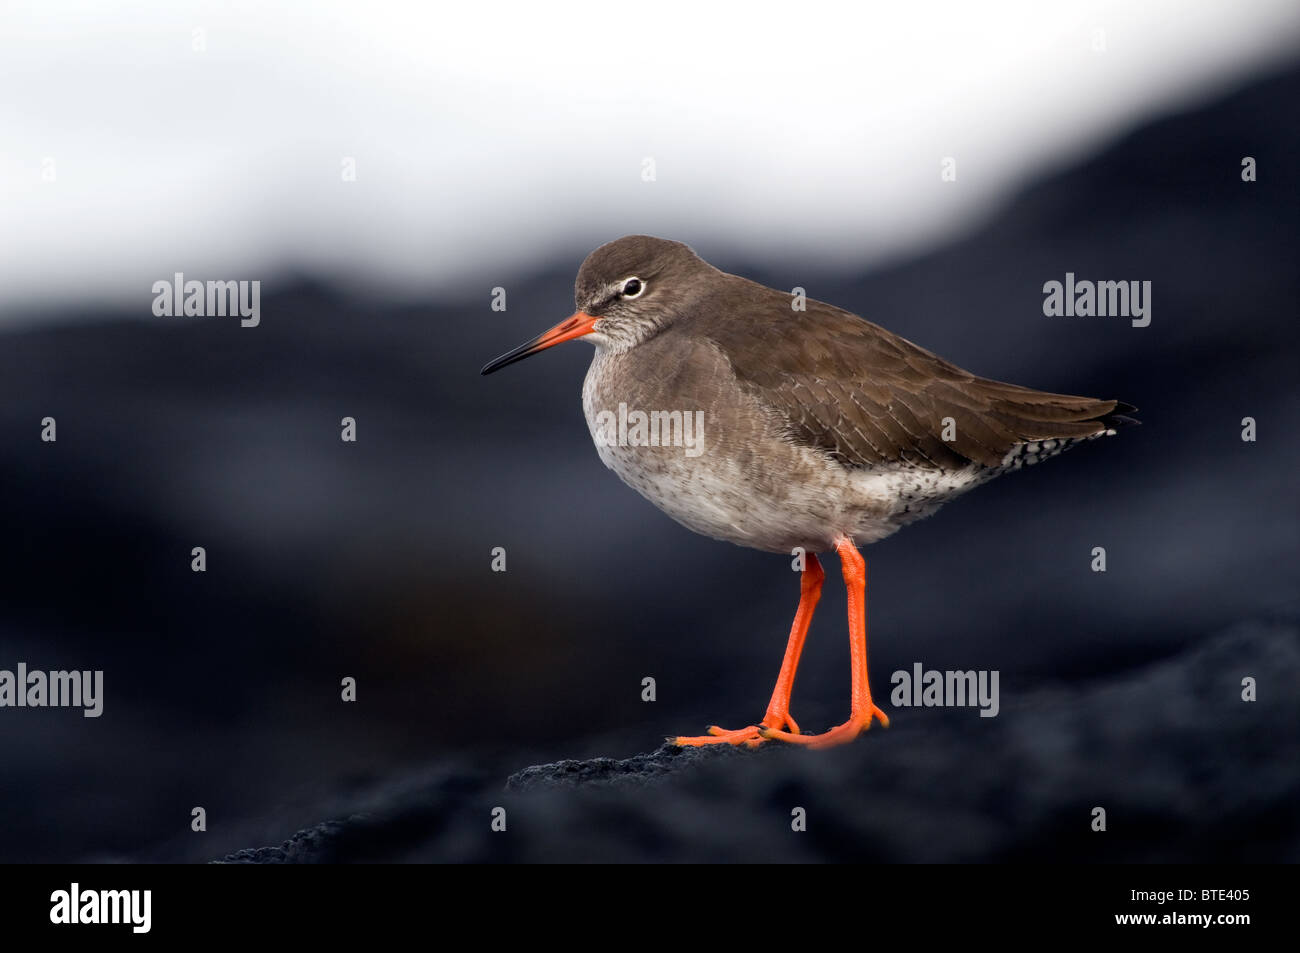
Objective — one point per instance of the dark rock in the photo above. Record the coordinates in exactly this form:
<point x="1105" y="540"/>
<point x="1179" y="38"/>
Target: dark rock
<point x="641" y="769"/>
<point x="1185" y="769"/>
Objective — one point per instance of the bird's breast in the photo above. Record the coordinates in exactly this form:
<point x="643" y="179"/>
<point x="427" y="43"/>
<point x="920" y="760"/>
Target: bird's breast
<point x="677" y="428"/>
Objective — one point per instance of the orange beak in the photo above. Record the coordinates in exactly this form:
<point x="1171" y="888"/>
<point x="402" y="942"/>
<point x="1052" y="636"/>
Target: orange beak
<point x="572" y="327"/>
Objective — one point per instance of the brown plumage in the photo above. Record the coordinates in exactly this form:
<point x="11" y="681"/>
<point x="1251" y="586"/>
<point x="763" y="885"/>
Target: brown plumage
<point x="816" y="429"/>
<point x="870" y="397"/>
<point x="820" y="423"/>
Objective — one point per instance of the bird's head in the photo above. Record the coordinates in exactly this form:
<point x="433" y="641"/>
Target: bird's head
<point x="627" y="291"/>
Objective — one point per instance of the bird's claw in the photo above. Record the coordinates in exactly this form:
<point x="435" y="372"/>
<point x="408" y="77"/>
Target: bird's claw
<point x="751" y="736"/>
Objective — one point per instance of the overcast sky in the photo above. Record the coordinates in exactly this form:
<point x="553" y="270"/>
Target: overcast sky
<point x="489" y="138"/>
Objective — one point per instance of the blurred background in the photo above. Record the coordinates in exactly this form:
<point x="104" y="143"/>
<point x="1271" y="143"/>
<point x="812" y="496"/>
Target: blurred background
<point x="380" y="168"/>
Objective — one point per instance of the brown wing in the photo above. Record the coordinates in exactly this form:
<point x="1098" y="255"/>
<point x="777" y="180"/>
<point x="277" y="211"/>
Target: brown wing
<point x="867" y="396"/>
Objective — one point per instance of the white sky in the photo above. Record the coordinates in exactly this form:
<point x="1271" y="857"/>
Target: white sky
<point x="490" y="137"/>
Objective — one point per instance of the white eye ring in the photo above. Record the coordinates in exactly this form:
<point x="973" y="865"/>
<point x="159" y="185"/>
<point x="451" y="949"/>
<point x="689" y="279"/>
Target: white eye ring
<point x="640" y="287"/>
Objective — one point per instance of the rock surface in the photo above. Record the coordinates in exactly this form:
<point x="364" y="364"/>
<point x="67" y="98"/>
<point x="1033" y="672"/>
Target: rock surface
<point x="1185" y="769"/>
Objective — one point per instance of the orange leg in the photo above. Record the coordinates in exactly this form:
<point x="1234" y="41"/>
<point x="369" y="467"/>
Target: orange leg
<point x="778" y="709"/>
<point x="862" y="710"/>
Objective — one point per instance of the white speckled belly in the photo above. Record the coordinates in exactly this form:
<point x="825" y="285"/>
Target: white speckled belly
<point x="748" y="483"/>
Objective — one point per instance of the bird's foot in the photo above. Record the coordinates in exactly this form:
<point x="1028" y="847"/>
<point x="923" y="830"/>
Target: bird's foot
<point x="841" y="734"/>
<point x="750" y="737"/>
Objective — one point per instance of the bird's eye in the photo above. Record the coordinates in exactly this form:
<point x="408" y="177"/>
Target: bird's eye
<point x="632" y="288"/>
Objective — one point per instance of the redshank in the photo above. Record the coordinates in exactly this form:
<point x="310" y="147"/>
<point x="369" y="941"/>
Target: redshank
<point x="791" y="426"/>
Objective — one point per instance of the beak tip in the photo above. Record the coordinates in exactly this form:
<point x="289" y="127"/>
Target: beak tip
<point x="572" y="327"/>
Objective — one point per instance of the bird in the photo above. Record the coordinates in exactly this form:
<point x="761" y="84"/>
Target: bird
<point x="792" y="426"/>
